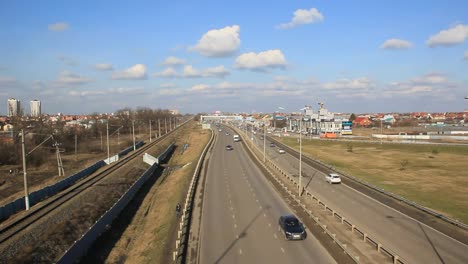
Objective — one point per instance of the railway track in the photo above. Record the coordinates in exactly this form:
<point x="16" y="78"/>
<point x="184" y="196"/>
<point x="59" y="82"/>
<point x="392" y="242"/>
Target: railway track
<point x="15" y="227"/>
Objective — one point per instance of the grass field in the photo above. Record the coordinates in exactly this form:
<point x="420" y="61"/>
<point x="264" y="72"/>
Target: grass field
<point x="433" y="176"/>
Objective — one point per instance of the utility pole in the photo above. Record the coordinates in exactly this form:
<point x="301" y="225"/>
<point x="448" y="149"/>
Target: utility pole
<point x="381" y="131"/>
<point x="26" y="192"/>
<point x="300" y="157"/>
<point x="76" y="146"/>
<point x="150" y="129"/>
<point x="108" y="147"/>
<point x="165" y="124"/>
<point x="264" y="143"/>
<point x="100" y="133"/>
<point x="133" y="129"/>
<point x="159" y="128"/>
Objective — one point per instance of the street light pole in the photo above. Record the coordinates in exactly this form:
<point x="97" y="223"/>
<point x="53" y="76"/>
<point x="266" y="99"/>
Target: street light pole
<point x="159" y="128"/>
<point x="165" y="124"/>
<point x="26" y="192"/>
<point x="300" y="157"/>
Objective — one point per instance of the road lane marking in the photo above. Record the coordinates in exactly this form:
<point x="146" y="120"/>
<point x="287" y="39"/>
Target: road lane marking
<point x="269" y="224"/>
<point x="264" y="215"/>
<point x="276" y="237"/>
<point x="282" y="249"/>
<point x="233" y="216"/>
<point x="235" y="226"/>
<point x="240" y="251"/>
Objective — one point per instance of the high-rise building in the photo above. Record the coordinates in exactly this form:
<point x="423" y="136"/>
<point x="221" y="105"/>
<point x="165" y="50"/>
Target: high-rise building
<point x="35" y="108"/>
<point x="13" y="107"/>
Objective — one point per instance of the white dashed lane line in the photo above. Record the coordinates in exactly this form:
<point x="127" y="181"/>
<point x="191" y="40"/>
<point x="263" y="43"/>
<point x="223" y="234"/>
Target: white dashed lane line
<point x="282" y="249"/>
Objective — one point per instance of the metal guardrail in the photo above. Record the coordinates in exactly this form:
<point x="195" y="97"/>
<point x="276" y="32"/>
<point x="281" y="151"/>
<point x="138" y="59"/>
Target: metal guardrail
<point x="365" y="236"/>
<point x="375" y="188"/>
<point x="179" y="256"/>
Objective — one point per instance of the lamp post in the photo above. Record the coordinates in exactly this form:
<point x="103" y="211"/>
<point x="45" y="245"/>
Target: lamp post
<point x="165" y="124"/>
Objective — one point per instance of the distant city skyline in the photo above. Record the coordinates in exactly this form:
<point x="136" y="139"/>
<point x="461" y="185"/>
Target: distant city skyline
<point x="243" y="56"/>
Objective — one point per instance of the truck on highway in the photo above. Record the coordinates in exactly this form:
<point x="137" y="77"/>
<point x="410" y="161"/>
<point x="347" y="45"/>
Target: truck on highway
<point x="236" y="138"/>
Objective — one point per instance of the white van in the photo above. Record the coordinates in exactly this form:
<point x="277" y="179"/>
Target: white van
<point x="236" y="138"/>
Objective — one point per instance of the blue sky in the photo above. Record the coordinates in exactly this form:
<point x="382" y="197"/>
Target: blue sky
<point x="200" y="56"/>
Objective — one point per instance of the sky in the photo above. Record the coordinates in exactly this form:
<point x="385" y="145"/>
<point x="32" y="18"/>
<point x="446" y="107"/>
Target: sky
<point x="80" y="57"/>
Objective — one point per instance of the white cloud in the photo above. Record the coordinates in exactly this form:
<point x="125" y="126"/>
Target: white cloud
<point x="106" y="92"/>
<point x="104" y="67"/>
<point x="219" y="42"/>
<point x="167" y="85"/>
<point x="199" y="88"/>
<point x="69" y="78"/>
<point x="349" y="84"/>
<point x="171" y="92"/>
<point x="430" y="78"/>
<point x="261" y="61"/>
<point x="396" y="44"/>
<point x="167" y="73"/>
<point x="173" y="61"/>
<point x="190" y="72"/>
<point x="5" y="81"/>
<point x="68" y="60"/>
<point x="136" y="72"/>
<point x="216" y="72"/>
<point x="57" y="27"/>
<point x="435" y="84"/>
<point x="449" y="37"/>
<point x="302" y="17"/>
<point x="465" y="55"/>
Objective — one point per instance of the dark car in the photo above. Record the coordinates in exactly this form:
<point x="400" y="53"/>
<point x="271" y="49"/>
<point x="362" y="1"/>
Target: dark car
<point x="292" y="227"/>
<point x="229" y="147"/>
<point x="272" y="145"/>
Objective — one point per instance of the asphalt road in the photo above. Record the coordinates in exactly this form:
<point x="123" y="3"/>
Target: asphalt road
<point x="411" y="239"/>
<point x="240" y="214"/>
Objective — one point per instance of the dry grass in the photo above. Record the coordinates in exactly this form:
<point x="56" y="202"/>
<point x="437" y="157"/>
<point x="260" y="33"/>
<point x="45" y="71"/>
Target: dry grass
<point x="155" y="221"/>
<point x="434" y="176"/>
<point x="11" y="186"/>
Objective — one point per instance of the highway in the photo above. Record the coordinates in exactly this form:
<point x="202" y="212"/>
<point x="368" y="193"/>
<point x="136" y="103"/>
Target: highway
<point x="412" y="240"/>
<point x="240" y="214"/>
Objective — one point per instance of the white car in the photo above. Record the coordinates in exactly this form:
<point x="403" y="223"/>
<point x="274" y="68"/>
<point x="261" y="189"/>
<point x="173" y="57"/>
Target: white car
<point x="333" y="178"/>
<point x="281" y="151"/>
